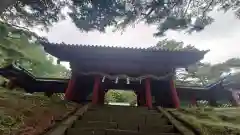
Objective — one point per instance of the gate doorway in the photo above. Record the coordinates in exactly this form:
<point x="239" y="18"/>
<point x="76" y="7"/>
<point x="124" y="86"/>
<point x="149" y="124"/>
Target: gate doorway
<point x="120" y="97"/>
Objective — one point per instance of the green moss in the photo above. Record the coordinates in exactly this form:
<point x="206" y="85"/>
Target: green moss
<point x="16" y="107"/>
<point x="211" y="121"/>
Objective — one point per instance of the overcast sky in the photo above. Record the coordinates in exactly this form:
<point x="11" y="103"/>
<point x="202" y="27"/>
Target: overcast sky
<point x="222" y="37"/>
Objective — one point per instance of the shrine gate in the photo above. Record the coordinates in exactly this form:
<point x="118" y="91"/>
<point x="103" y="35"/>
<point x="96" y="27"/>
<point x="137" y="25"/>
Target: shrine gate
<point x="149" y="72"/>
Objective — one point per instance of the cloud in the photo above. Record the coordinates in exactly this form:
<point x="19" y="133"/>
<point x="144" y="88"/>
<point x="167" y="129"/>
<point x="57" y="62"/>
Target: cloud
<point x="221" y="37"/>
<point x="139" y="36"/>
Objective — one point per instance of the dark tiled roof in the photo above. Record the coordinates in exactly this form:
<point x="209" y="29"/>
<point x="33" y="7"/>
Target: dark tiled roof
<point x="132" y="61"/>
<point x="48" y="44"/>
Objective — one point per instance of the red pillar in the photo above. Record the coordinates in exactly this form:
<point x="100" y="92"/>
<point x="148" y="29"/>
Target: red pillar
<point x="194" y="101"/>
<point x="69" y="90"/>
<point x="141" y="97"/>
<point x="138" y="98"/>
<point x="148" y="93"/>
<point x="174" y="94"/>
<point x="95" y="90"/>
<point x="101" y="96"/>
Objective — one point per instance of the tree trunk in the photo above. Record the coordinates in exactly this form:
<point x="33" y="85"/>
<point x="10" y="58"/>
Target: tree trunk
<point x="4" y="4"/>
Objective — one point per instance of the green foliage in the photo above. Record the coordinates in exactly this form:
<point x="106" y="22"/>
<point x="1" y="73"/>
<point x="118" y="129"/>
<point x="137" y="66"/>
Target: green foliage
<point x="34" y="13"/>
<point x="205" y="73"/>
<point x="211" y="121"/>
<point x="201" y="74"/>
<point x="176" y="15"/>
<point x="120" y="96"/>
<point x="192" y="15"/>
<point x="46" y="68"/>
<point x="174" y="45"/>
<point x="18" y="109"/>
<point x="18" y="45"/>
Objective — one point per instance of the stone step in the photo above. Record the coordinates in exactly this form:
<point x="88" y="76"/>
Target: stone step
<point x="128" y="126"/>
<point x="95" y="124"/>
<point x="85" y="131"/>
<point x="119" y="112"/>
<point x="118" y="120"/>
<point x="122" y="111"/>
<point x="156" y="128"/>
<point x="121" y="118"/>
<point x="99" y="114"/>
<point x="128" y="119"/>
<point x="156" y="114"/>
<point x="113" y="125"/>
<point x="78" y="131"/>
<point x="158" y="119"/>
<point x="125" y="109"/>
<point x="121" y="132"/>
<point x="129" y="132"/>
<point x="163" y="121"/>
<point x="120" y="107"/>
<point x="125" y="125"/>
<point x="96" y="117"/>
<point x="114" y="117"/>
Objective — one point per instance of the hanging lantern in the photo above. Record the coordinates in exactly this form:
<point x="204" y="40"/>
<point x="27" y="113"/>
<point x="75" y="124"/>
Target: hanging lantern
<point x="128" y="81"/>
<point x="58" y="61"/>
<point x="116" y="81"/>
<point x="103" y="79"/>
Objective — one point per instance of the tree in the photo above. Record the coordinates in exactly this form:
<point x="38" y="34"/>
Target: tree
<point x="200" y="74"/>
<point x="32" y="13"/>
<point x="120" y="96"/>
<point x="46" y="68"/>
<point x="196" y="74"/>
<point x="166" y="14"/>
<point x="99" y="14"/>
<point x="234" y="77"/>
<point x="204" y="73"/>
<point x="114" y="96"/>
<point x="19" y="45"/>
<point x="173" y="45"/>
<point x="5" y="4"/>
<point x="12" y="43"/>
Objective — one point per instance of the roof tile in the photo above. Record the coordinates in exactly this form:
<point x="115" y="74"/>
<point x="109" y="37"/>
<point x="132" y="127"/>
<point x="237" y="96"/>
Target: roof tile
<point x="46" y="43"/>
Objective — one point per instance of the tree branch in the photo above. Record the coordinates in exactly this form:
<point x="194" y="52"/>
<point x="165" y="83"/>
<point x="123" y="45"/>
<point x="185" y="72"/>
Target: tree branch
<point x="187" y="8"/>
<point x="24" y="29"/>
<point x="208" y="6"/>
<point x="4" y="4"/>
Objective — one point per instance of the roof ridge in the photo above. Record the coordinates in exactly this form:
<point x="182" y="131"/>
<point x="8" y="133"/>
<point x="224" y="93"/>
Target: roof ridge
<point x="45" y="43"/>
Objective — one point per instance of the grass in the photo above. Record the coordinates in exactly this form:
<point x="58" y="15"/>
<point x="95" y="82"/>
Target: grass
<point x="211" y="121"/>
<point x="29" y="114"/>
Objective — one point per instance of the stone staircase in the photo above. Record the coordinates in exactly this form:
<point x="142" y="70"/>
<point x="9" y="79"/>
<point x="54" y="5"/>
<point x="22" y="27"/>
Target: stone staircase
<point x="119" y="120"/>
